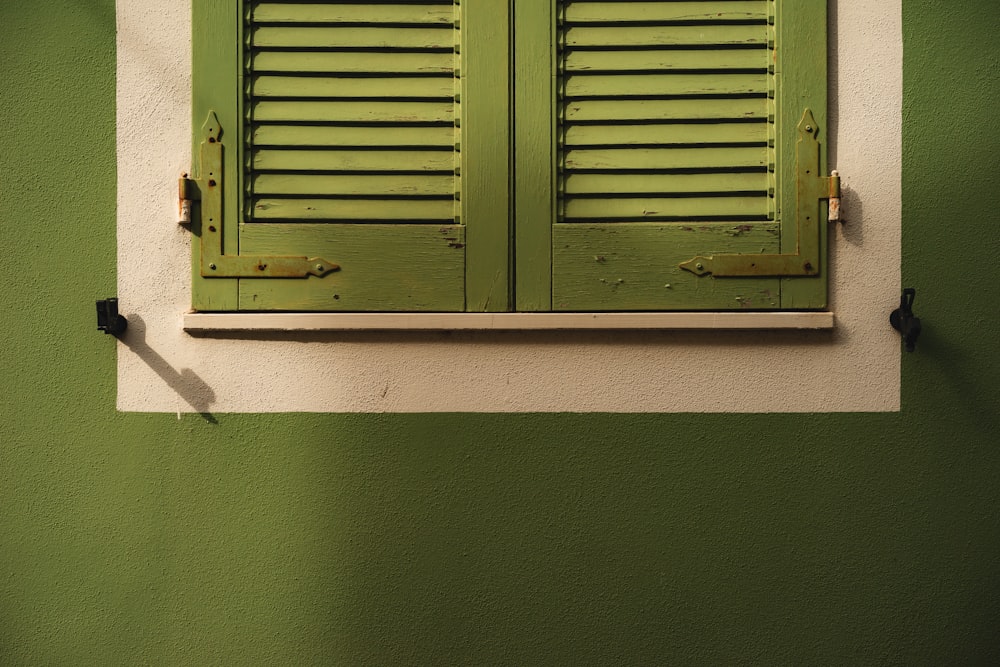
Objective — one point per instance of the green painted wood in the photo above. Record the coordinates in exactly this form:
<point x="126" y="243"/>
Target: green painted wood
<point x="678" y="134"/>
<point x="401" y="210"/>
<point x="214" y="261"/>
<point x="702" y="12"/>
<point x="403" y="62"/>
<point x="380" y="136"/>
<point x="643" y="208"/>
<point x="665" y="35"/>
<point x="367" y="126"/>
<point x="344" y="87"/>
<point x="354" y="111"/>
<point x="330" y="124"/>
<point x="641" y="158"/>
<point x="667" y="60"/>
<point x="638" y="147"/>
<point x="696" y="143"/>
<point x="595" y="85"/>
<point x="215" y="88"/>
<point x="353" y="37"/>
<point x="360" y="159"/>
<point x="631" y="183"/>
<point x="485" y="154"/>
<point x="534" y="152"/>
<point x="801" y="67"/>
<point x="353" y="184"/>
<point x="382" y="267"/>
<point x="811" y="188"/>
<point x="273" y="12"/>
<point x="621" y="267"/>
<point x="676" y="109"/>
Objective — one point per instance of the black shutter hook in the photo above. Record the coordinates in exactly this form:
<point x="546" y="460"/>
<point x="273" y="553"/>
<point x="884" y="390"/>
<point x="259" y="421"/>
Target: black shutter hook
<point x="904" y="321"/>
<point x="108" y="319"/>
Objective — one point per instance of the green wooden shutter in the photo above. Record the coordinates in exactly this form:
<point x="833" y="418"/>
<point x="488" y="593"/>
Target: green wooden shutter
<point x="675" y="139"/>
<point x="341" y="130"/>
<point x="653" y="142"/>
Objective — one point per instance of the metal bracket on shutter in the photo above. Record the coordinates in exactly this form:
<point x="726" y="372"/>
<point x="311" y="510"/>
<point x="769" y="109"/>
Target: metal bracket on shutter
<point x="214" y="262"/>
<point x="811" y="189"/>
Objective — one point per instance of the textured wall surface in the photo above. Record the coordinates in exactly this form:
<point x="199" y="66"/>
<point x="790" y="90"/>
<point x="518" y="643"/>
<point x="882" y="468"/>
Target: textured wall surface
<point x="163" y="369"/>
<point x="841" y="539"/>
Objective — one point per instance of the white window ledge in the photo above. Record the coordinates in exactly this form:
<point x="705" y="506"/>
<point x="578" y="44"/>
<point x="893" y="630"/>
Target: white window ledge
<point x="205" y="322"/>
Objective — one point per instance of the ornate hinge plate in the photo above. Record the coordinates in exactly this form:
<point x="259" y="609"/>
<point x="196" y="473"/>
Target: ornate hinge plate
<point x="214" y="262"/>
<point x="811" y="189"/>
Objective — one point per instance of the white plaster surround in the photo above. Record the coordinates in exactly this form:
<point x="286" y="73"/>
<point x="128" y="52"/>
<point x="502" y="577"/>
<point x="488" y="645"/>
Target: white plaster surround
<point x="853" y="368"/>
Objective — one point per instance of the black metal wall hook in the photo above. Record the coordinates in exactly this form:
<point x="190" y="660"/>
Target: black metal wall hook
<point x="108" y="319"/>
<point x="904" y="321"/>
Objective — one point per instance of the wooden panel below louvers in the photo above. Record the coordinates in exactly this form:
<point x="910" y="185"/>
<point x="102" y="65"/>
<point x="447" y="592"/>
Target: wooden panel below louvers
<point x="635" y="266"/>
<point x="382" y="267"/>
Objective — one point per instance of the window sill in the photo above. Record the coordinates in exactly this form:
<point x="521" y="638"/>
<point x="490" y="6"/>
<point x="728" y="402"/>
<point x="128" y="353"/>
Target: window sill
<point x="205" y="322"/>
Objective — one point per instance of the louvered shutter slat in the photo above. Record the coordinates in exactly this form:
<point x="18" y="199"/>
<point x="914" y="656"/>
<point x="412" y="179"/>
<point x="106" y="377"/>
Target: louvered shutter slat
<point x="345" y="13"/>
<point x="667" y="109"/>
<point x="678" y="134"/>
<point x="377" y="136"/>
<point x="666" y="159"/>
<point x="353" y="160"/>
<point x="352" y="185"/>
<point x="300" y="111"/>
<point x="348" y="62"/>
<point x="668" y="35"/>
<point x="702" y="12"/>
<point x="664" y="85"/>
<point x="369" y="88"/>
<point x="717" y="59"/>
<point x="368" y="209"/>
<point x="679" y="208"/>
<point x="352" y="37"/>
<point x="658" y="183"/>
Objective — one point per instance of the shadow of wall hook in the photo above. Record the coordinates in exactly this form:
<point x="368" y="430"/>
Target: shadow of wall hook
<point x="108" y="319"/>
<point x="903" y="320"/>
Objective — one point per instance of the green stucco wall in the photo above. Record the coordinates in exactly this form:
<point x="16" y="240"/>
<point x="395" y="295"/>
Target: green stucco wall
<point x="489" y="539"/>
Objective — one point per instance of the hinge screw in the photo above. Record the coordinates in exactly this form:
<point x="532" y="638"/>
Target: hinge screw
<point x="212" y="266"/>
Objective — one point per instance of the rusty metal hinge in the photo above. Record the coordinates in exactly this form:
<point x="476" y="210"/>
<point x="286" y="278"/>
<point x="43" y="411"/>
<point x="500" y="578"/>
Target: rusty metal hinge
<point x="214" y="262"/>
<point x="187" y="192"/>
<point x="811" y="189"/>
